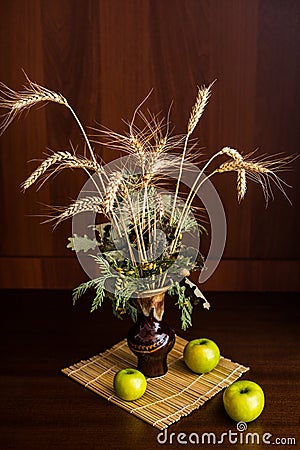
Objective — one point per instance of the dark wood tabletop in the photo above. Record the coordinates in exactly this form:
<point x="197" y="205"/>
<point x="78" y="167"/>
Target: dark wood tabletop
<point x="42" y="332"/>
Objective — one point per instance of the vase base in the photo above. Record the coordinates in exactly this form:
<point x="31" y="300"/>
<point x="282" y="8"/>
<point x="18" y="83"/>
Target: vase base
<point x="153" y="364"/>
<point x="152" y="358"/>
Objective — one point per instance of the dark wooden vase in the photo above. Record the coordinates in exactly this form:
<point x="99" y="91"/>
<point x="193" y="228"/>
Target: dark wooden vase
<point x="151" y="338"/>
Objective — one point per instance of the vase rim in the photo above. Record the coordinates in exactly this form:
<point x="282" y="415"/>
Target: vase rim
<point x="152" y="292"/>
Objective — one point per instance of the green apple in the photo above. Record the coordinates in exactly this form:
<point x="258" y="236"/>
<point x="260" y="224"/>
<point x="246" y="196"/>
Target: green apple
<point x="244" y="400"/>
<point x="130" y="384"/>
<point x="201" y="355"/>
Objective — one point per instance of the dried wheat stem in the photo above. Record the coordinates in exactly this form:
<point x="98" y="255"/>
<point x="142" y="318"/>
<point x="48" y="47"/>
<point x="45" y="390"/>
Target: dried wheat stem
<point x="238" y="164"/>
<point x="33" y="93"/>
<point x="119" y="218"/>
<point x="196" y="113"/>
<point x="194" y="189"/>
<point x="186" y="209"/>
<point x="152" y="230"/>
<point x="137" y="228"/>
<point x="84" y="134"/>
<point x="260" y="171"/>
<point x="136" y="110"/>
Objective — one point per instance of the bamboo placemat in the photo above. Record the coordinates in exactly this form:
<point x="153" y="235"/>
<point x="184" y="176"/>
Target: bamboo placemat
<point x="167" y="398"/>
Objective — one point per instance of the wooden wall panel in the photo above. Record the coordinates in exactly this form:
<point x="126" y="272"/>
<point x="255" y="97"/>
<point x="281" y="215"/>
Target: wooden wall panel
<point x="105" y="56"/>
<point x="231" y="275"/>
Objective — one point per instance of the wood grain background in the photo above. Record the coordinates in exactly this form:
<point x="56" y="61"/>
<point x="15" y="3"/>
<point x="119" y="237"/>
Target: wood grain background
<point x="104" y="56"/>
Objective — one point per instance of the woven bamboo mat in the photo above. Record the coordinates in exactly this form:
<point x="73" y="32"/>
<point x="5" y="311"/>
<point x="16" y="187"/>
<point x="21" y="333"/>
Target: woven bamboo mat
<point x="167" y="398"/>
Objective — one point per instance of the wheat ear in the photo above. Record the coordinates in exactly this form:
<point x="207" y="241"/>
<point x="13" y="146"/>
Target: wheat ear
<point x="198" y="108"/>
<point x="113" y="186"/>
<point x="92" y="203"/>
<point x="159" y="205"/>
<point x="241" y="184"/>
<point x="65" y="158"/>
<point x="262" y="171"/>
<point x="17" y="102"/>
<point x="248" y="166"/>
<point x="233" y="153"/>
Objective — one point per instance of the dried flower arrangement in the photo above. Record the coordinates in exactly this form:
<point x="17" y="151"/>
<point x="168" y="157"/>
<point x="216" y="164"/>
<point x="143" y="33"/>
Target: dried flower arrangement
<point x="141" y="247"/>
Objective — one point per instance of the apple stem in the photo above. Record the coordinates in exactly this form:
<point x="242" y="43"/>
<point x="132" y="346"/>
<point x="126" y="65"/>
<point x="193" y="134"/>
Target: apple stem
<point x="244" y="391"/>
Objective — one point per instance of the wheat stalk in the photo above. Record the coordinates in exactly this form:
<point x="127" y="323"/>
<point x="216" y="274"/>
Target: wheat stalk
<point x="68" y="160"/>
<point x="132" y="206"/>
<point x="196" y="113"/>
<point x="261" y="171"/>
<point x="92" y="203"/>
<point x="17" y="102"/>
<point x="256" y="171"/>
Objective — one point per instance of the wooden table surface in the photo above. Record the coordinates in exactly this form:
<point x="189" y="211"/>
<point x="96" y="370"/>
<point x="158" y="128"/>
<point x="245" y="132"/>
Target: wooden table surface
<point x="42" y="409"/>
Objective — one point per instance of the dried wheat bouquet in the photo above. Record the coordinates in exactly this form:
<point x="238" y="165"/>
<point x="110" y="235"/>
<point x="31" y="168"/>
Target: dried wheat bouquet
<point x="140" y="241"/>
